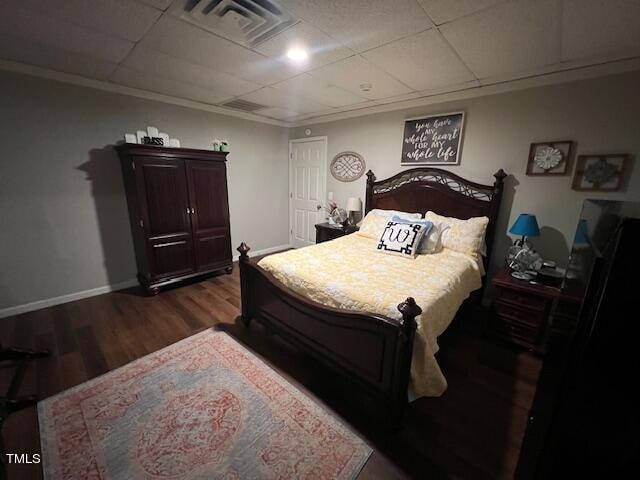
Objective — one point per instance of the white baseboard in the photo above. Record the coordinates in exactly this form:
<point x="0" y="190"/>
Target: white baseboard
<point x="70" y="297"/>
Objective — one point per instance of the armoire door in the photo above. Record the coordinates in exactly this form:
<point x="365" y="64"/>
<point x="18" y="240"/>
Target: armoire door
<point x="162" y="186"/>
<point x="207" y="183"/>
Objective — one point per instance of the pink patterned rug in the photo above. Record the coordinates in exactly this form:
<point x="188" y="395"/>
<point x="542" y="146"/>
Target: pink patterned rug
<point x="202" y="408"/>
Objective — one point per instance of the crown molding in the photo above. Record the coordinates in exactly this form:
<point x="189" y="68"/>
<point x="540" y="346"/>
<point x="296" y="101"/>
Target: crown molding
<point x="132" y="92"/>
<point x="571" y="74"/>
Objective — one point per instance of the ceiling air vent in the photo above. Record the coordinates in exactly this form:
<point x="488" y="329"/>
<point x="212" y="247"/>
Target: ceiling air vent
<point x="243" y="105"/>
<point x="248" y="22"/>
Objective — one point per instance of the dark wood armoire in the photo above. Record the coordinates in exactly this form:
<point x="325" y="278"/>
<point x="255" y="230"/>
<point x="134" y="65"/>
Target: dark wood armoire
<point x="178" y="210"/>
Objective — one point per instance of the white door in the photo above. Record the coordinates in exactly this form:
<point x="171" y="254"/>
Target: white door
<point x="307" y="181"/>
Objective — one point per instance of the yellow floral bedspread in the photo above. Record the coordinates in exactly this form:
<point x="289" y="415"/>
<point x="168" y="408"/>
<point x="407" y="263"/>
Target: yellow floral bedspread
<point x="350" y="273"/>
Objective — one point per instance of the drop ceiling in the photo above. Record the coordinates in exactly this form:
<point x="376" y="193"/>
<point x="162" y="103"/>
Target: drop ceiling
<point x="362" y="52"/>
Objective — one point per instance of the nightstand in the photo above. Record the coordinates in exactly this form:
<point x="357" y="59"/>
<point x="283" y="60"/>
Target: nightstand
<point x="521" y="311"/>
<point x="326" y="231"/>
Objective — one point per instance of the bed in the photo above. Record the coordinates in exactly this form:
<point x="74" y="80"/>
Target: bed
<point x="332" y="312"/>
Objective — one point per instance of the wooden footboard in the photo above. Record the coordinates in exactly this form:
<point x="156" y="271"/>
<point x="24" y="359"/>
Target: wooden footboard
<point x="373" y="351"/>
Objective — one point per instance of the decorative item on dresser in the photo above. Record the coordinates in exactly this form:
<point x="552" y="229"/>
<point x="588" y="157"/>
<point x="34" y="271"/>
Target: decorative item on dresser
<point x="373" y="351"/>
<point x="178" y="210"/>
<point x="521" y="256"/>
<point x="521" y="310"/>
<point x="151" y="137"/>
<point x="326" y="231"/>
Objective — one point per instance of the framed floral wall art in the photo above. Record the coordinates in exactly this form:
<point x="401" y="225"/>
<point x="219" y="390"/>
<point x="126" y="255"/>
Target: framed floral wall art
<point x="600" y="173"/>
<point x="550" y="158"/>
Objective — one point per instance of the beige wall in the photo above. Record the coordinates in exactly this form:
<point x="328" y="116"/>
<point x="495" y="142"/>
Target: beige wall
<point x="63" y="216"/>
<point x="602" y="116"/>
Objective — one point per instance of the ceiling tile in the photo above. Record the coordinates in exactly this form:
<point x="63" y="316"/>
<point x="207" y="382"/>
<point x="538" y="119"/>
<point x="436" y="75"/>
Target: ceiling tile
<point x="163" y="65"/>
<point x="124" y="19"/>
<point x="361" y="24"/>
<point x="24" y="51"/>
<point x="133" y="78"/>
<point x="182" y="40"/>
<point x="443" y="11"/>
<point x="317" y="89"/>
<point x="593" y="27"/>
<point x="509" y="37"/>
<point x="275" y="98"/>
<point x="422" y="62"/>
<point x="352" y="72"/>
<point x="57" y="34"/>
<point x="322" y="48"/>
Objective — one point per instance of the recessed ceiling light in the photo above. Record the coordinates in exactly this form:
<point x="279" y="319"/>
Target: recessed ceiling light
<point x="297" y="54"/>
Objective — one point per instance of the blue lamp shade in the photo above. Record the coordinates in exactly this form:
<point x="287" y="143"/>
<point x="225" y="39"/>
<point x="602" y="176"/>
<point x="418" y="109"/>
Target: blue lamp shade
<point x="526" y="225"/>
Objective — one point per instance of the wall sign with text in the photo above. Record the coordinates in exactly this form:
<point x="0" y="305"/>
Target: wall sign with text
<point x="433" y="140"/>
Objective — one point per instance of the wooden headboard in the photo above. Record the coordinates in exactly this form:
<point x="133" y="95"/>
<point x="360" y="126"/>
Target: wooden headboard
<point x="445" y="193"/>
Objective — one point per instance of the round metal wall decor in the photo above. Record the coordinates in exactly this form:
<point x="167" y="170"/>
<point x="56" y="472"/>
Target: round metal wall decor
<point x="347" y="166"/>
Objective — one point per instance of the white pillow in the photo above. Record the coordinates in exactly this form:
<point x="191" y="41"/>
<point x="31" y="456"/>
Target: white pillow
<point x="432" y="243"/>
<point x="376" y="220"/>
<point x="391" y="213"/>
<point x="401" y="239"/>
<point x="463" y="236"/>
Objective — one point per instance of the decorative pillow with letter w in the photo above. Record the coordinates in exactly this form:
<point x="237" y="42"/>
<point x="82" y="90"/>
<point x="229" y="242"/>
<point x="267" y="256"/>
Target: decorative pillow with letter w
<point x="401" y="239"/>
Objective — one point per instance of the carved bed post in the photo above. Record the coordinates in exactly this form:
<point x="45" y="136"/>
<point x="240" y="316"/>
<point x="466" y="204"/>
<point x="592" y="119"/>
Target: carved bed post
<point x="496" y="198"/>
<point x="245" y="293"/>
<point x="409" y="310"/>
<point x="368" y="199"/>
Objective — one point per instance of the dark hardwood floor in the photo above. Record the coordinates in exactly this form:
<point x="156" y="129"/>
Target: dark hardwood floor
<point x="473" y="431"/>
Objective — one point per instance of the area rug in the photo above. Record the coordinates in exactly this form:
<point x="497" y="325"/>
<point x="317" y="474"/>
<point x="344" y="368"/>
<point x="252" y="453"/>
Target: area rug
<point x="201" y="408"/>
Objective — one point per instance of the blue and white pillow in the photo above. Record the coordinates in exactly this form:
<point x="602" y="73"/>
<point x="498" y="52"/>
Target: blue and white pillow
<point x="430" y="242"/>
<point x="400" y="238"/>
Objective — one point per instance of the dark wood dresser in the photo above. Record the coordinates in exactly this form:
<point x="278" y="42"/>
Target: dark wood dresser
<point x="521" y="311"/>
<point x="178" y="210"/>
<point x="326" y="231"/>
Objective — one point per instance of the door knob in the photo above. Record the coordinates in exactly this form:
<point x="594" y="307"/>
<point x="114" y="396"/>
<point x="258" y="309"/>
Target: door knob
<point x="318" y="207"/>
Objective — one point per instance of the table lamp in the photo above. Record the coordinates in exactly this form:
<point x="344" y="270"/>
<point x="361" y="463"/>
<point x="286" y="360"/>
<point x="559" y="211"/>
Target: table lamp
<point x="354" y="204"/>
<point x="521" y="257"/>
<point x="525" y="225"/>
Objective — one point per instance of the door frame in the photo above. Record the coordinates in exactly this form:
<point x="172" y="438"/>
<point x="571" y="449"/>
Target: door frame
<point x="292" y="141"/>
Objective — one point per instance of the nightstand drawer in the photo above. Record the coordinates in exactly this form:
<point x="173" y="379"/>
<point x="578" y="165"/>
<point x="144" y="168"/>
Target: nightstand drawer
<point x="512" y="329"/>
<point x="520" y="299"/>
<point x="526" y="316"/>
<point x="332" y="234"/>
